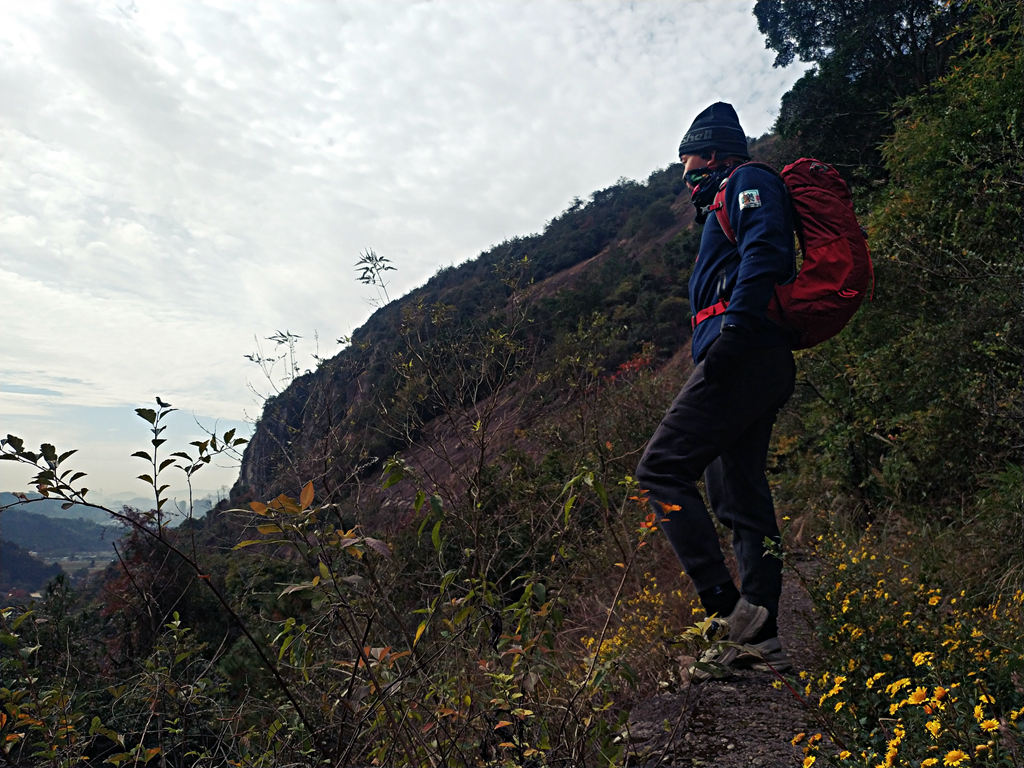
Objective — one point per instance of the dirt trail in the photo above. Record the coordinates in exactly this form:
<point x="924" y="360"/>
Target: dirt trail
<point x="742" y="722"/>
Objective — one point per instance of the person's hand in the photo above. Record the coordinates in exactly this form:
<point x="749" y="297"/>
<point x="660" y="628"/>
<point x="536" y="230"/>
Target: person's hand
<point x="725" y="356"/>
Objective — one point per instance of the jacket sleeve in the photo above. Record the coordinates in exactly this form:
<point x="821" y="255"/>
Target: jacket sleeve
<point x="761" y="216"/>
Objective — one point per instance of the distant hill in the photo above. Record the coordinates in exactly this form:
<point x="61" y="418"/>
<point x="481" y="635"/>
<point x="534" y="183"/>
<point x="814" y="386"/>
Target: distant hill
<point x="20" y="570"/>
<point x="52" y="508"/>
<point x="52" y="536"/>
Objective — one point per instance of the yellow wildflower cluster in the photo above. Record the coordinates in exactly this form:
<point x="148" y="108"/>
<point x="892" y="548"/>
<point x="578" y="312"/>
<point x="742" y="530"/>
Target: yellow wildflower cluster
<point x="643" y="618"/>
<point x="921" y="674"/>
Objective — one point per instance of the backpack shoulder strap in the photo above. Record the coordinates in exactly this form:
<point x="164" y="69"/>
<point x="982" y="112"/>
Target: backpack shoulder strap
<point x="721" y="209"/>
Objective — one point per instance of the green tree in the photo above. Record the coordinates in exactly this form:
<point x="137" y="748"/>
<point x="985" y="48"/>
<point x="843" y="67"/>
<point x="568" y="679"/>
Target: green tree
<point x="924" y="393"/>
<point x="868" y="53"/>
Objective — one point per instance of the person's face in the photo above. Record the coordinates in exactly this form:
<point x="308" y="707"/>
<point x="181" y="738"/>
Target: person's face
<point x="692" y="165"/>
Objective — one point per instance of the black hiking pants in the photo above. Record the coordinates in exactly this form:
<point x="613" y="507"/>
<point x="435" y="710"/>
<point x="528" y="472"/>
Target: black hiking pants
<point x="721" y="429"/>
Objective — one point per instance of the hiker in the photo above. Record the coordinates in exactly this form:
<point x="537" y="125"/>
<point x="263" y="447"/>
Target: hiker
<point x="720" y="423"/>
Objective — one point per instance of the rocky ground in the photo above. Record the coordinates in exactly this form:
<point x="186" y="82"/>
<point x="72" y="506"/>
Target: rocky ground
<point x="740" y="722"/>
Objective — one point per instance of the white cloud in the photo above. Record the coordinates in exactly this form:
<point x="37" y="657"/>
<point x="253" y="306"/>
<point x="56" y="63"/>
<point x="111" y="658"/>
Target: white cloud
<point x="179" y="177"/>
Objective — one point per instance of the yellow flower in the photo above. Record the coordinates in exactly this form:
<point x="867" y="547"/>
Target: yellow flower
<point x="979" y="712"/>
<point x="809" y="761"/>
<point x="989" y="725"/>
<point x="893" y="688"/>
<point x="836" y="688"/>
<point x="954" y="757"/>
<point x="797" y="739"/>
<point x="939" y="694"/>
<point x="934" y="600"/>
<point x="923" y="657"/>
<point x="845" y="754"/>
<point x="929" y="761"/>
<point x="874" y="679"/>
<point x="934" y="728"/>
<point x="919" y="696"/>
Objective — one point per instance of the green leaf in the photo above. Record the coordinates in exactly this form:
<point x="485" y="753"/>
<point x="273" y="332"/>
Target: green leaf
<point x="247" y="543"/>
<point x="49" y="452"/>
<point x="147" y="413"/>
<point x="568" y="508"/>
<point x="435" y="536"/>
<point x="146" y="479"/>
<point x="164" y="464"/>
<point x="28" y="651"/>
<point x="143" y="455"/>
<point x="395" y="474"/>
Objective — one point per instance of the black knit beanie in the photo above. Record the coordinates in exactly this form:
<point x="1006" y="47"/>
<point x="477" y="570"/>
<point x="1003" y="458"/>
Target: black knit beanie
<point x="716" y="128"/>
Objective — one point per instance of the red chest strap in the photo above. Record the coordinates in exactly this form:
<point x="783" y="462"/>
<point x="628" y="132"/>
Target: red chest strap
<point x="704" y="314"/>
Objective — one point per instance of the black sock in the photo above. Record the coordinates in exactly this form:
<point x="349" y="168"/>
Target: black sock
<point x="720" y="599"/>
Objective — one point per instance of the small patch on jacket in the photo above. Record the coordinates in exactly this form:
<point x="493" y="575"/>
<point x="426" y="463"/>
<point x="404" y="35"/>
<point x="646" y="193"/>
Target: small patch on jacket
<point x="750" y="198"/>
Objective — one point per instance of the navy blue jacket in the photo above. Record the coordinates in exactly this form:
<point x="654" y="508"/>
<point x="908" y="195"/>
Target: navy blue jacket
<point x="745" y="272"/>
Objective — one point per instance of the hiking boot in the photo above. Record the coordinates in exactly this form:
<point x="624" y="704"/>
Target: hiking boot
<point x="717" y="660"/>
<point x="766" y="656"/>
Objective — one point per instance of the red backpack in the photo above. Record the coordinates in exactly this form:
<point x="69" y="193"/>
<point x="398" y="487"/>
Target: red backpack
<point x="836" y="270"/>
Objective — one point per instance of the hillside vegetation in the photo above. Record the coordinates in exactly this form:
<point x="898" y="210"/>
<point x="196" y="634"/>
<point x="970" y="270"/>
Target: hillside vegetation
<point x="436" y="555"/>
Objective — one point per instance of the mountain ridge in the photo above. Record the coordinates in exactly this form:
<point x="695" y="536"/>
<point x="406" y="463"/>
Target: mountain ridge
<point x="632" y="234"/>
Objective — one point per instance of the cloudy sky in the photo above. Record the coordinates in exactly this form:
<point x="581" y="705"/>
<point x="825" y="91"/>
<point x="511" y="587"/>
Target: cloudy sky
<point x="180" y="180"/>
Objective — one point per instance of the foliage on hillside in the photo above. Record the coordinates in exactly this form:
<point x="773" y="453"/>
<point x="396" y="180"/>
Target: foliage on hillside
<point x="912" y="421"/>
<point x="20" y="570"/>
<point x="507" y="613"/>
<point x="866" y="56"/>
<point x="53" y="537"/>
<point x="326" y="426"/>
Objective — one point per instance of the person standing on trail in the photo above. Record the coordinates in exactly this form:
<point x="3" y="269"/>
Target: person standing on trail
<point x="719" y="425"/>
